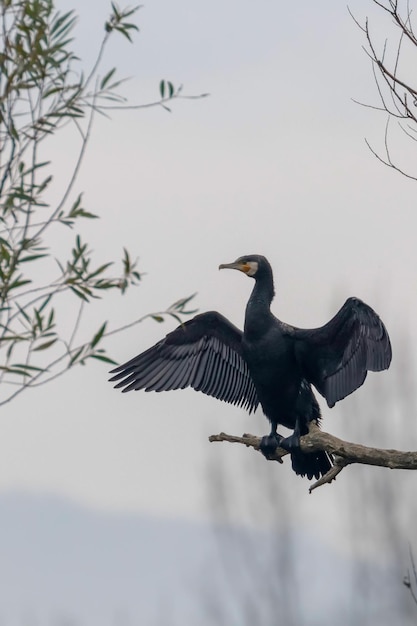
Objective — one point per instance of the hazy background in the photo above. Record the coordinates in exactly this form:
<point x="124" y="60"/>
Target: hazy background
<point x="273" y="162"/>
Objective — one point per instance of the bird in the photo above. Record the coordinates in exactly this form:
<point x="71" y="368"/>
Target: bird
<point x="270" y="363"/>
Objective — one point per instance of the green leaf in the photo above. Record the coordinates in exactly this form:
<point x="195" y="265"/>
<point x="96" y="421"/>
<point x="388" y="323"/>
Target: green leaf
<point x="107" y="78"/>
<point x="115" y="10"/>
<point x="50" y="92"/>
<point x="45" y="303"/>
<point x="29" y="367"/>
<point x="99" y="335"/>
<point x="86" y="214"/>
<point x="13" y="338"/>
<point x="106" y="359"/>
<point x="18" y="283"/>
<point x="176" y="317"/>
<point x="99" y="270"/>
<point x="39" y="319"/>
<point x="157" y="318"/>
<point x="51" y="318"/>
<point x="180" y="304"/>
<point x="23" y="313"/>
<point x="162" y="89"/>
<point x="130" y="11"/>
<point x="80" y="294"/>
<point x="60" y="20"/>
<point x="76" y="204"/>
<point x="4" y="253"/>
<point x="46" y="345"/>
<point x="21" y="369"/>
<point x="75" y="356"/>
<point x="124" y="32"/>
<point x="11" y="370"/>
<point x="35" y="167"/>
<point x="129" y="25"/>
<point x="32" y="257"/>
<point x="106" y="284"/>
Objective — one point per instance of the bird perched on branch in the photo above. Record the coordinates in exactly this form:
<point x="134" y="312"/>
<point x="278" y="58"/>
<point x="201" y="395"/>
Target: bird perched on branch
<point x="271" y="363"/>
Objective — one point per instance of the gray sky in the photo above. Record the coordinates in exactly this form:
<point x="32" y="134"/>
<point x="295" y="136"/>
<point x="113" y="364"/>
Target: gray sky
<point x="273" y="162"/>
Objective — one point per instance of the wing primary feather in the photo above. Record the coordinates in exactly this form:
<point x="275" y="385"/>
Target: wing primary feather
<point x="201" y="370"/>
<point x="148" y="377"/>
<point x="126" y="381"/>
<point x="211" y="374"/>
<point x="204" y="353"/>
<point x="179" y="377"/>
<point x="226" y="387"/>
<point x="160" y="381"/>
<point x="221" y="375"/>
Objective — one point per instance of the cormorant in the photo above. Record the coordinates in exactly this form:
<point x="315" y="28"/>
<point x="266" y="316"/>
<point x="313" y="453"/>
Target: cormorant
<point x="271" y="363"/>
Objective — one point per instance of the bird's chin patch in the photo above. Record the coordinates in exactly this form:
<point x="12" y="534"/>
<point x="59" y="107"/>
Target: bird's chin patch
<point x="250" y="268"/>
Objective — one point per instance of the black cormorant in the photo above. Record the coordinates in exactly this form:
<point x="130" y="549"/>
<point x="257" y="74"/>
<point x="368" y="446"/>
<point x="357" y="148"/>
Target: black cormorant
<point x="271" y="363"/>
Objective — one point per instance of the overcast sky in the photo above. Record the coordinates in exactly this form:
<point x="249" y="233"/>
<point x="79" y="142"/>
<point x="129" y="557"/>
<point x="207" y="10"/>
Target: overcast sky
<point x="273" y="162"/>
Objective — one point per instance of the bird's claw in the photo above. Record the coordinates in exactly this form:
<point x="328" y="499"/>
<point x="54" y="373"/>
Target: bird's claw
<point x="269" y="443"/>
<point x="291" y="443"/>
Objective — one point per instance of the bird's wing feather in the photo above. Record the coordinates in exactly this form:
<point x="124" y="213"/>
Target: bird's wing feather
<point x="337" y="356"/>
<point x="204" y="353"/>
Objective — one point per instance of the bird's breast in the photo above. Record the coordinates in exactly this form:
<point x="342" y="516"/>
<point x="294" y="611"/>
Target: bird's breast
<point x="275" y="373"/>
<point x="271" y="359"/>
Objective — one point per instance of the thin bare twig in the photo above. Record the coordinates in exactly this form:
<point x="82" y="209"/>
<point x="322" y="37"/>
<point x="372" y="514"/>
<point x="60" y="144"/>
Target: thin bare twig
<point x="162" y="102"/>
<point x="397" y="95"/>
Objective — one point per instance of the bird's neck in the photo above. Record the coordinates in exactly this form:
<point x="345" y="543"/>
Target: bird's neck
<point x="258" y="309"/>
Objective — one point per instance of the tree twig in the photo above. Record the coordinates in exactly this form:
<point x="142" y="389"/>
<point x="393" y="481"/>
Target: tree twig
<point x="344" y="452"/>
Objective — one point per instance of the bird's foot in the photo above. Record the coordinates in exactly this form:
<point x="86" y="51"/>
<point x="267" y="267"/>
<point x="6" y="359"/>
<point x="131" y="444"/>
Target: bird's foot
<point x="291" y="443"/>
<point x="269" y="443"/>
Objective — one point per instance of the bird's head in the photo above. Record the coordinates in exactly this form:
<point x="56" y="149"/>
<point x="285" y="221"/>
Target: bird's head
<point x="251" y="264"/>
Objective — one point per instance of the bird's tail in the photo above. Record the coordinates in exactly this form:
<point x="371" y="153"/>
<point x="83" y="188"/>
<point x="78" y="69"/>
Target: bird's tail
<point x="311" y="464"/>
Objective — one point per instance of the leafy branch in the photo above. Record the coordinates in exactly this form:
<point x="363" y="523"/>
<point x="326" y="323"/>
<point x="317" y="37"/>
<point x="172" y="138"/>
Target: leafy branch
<point x="42" y="90"/>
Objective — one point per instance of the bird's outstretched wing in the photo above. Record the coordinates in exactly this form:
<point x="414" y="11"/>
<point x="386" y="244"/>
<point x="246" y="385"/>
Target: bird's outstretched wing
<point x="204" y="353"/>
<point x="337" y="356"/>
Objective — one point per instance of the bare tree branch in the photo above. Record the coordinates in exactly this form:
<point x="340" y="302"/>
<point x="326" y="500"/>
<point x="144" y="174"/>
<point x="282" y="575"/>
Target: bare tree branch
<point x="344" y="452"/>
<point x="392" y="64"/>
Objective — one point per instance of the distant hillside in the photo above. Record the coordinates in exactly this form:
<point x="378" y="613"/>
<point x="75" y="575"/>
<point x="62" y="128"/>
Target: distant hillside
<point x="64" y="564"/>
<point x="60" y="561"/>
